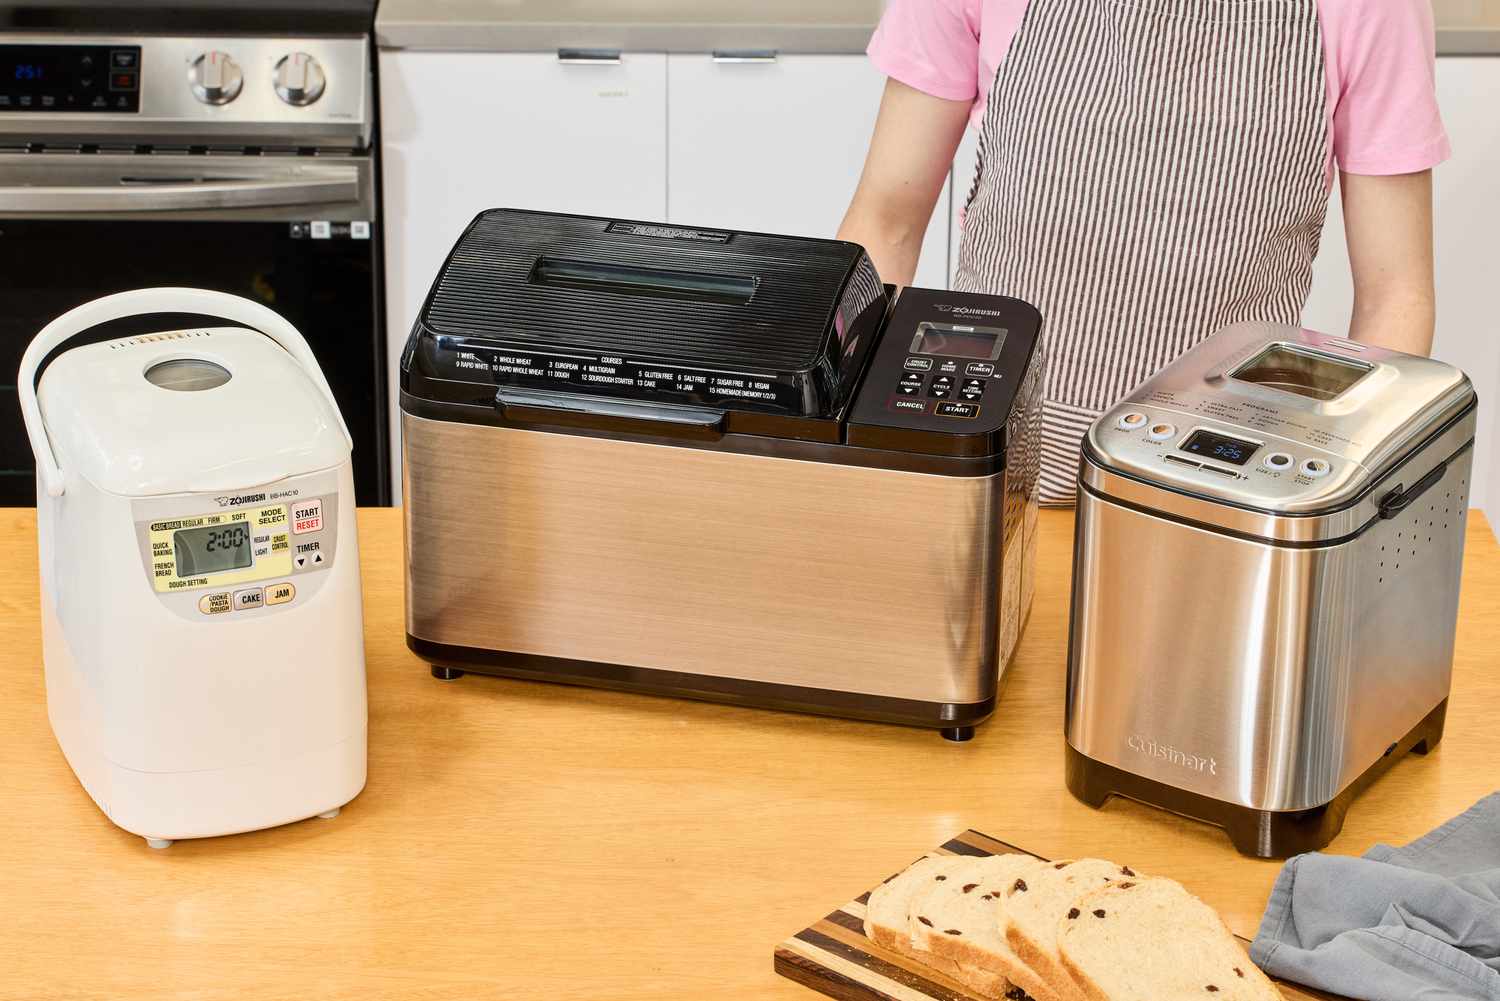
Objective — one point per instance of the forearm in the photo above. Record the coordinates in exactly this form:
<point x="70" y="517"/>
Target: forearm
<point x="893" y="238"/>
<point x="910" y="155"/>
<point x="1388" y="225"/>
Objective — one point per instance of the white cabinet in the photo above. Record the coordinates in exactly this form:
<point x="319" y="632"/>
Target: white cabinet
<point x="1466" y="221"/>
<point x="464" y="132"/>
<point x="777" y="145"/>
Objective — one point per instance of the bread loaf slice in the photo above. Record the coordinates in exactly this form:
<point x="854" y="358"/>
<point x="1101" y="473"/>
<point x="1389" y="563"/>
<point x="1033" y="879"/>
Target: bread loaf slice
<point x="1033" y="907"/>
<point x="964" y="914"/>
<point x="1151" y="940"/>
<point x="888" y="911"/>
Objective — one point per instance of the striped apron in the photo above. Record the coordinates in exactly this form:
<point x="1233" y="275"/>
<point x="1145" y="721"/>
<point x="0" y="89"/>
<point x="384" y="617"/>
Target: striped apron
<point x="1149" y="171"/>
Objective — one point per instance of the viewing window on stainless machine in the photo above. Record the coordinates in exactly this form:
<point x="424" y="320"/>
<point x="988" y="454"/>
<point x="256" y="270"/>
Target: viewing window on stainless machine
<point x="1306" y="373"/>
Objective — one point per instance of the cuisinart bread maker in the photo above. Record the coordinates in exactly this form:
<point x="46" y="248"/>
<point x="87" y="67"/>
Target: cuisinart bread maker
<point x="1265" y="581"/>
<point x="202" y="633"/>
<point x="715" y="464"/>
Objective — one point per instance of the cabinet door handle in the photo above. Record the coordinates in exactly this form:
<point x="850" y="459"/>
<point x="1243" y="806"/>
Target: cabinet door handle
<point x="589" y="57"/>
<point x="759" y="56"/>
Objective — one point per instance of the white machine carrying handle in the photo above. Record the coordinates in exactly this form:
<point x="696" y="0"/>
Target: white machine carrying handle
<point x="136" y="303"/>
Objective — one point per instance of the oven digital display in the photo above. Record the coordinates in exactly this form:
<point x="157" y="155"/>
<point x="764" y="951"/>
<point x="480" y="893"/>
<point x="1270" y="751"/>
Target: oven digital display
<point x="1220" y="447"/>
<point x="49" y="78"/>
<point x="207" y="550"/>
<point x="958" y="341"/>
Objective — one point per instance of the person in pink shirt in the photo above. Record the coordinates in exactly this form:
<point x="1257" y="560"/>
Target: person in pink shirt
<point x="1152" y="170"/>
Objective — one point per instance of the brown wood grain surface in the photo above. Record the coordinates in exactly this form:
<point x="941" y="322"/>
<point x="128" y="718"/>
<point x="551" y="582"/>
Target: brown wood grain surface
<point x="520" y="840"/>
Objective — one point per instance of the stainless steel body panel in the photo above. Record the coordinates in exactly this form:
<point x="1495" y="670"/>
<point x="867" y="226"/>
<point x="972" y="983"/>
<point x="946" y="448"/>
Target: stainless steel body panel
<point x="782" y="571"/>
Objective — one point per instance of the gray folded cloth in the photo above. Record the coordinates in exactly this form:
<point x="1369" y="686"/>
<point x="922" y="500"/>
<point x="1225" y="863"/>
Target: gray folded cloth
<point x="1420" y="923"/>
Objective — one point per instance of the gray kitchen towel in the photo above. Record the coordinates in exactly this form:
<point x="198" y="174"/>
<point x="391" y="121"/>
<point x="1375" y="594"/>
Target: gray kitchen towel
<point x="1420" y="923"/>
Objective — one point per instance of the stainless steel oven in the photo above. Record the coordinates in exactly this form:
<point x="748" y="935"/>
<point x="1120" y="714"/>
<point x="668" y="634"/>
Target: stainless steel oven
<point x="243" y="164"/>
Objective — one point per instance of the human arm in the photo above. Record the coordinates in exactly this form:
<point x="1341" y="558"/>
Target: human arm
<point x="911" y="152"/>
<point x="1388" y="228"/>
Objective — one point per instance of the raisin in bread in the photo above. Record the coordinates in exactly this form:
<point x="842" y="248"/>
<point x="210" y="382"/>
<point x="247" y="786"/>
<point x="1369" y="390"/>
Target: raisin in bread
<point x="1151" y="940"/>
<point x="964" y="911"/>
<point x="1033" y="907"/>
<point x="888" y="910"/>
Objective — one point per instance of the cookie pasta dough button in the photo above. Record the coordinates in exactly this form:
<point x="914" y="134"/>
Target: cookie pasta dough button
<point x="212" y="604"/>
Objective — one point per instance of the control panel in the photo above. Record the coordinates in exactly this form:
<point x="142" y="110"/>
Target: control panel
<point x="62" y="78"/>
<point x="949" y="363"/>
<point x="1198" y="453"/>
<point x="242" y="554"/>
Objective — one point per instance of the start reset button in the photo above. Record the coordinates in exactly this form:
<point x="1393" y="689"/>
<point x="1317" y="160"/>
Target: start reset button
<point x="307" y="517"/>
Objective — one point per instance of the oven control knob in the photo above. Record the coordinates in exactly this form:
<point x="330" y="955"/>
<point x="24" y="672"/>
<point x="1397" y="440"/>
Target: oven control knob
<point x="299" y="79"/>
<point x="215" y="78"/>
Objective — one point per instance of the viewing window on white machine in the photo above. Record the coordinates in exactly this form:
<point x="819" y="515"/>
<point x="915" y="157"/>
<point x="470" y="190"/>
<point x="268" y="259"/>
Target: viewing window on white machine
<point x="1297" y="370"/>
<point x="958" y="341"/>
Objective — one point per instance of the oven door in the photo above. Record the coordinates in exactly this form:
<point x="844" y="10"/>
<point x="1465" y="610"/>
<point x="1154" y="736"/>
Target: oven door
<point x="296" y="233"/>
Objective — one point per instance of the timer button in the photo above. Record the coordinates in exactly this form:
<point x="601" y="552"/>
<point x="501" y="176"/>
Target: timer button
<point x="983" y="369"/>
<point x="1130" y="421"/>
<point x="1316" y="468"/>
<point x="1279" y="461"/>
<point x="1161" y="432"/>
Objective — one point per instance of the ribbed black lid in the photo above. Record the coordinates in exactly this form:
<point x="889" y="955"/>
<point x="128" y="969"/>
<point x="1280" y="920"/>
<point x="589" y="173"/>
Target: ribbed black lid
<point x="490" y="288"/>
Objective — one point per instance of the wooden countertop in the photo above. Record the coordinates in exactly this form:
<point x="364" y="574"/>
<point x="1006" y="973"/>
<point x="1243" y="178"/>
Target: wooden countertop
<point x="520" y="840"/>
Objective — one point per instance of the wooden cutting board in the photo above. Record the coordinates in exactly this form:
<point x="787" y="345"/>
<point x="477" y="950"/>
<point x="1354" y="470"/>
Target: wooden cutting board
<point x="834" y="957"/>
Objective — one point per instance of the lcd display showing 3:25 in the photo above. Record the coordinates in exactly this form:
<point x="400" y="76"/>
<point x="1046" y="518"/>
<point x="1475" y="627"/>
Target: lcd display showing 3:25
<point x="1207" y="445"/>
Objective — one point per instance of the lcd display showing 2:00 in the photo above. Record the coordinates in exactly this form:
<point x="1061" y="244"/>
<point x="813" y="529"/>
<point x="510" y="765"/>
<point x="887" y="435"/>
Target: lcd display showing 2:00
<point x="1207" y="445"/>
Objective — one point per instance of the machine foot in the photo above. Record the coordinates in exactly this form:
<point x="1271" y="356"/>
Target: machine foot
<point x="958" y="734"/>
<point x="159" y="843"/>
<point x="446" y="673"/>
<point x="329" y="814"/>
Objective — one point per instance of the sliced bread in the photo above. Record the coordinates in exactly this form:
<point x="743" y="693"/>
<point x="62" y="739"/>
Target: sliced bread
<point x="888" y="910"/>
<point x="964" y="914"/>
<point x="1151" y="940"/>
<point x="1033" y="907"/>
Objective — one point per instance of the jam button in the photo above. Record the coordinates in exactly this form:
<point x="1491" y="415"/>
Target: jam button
<point x="972" y="389"/>
<point x="280" y="594"/>
<point x="910" y="385"/>
<point x="918" y="364"/>
<point x="982" y="369"/>
<point x="967" y="410"/>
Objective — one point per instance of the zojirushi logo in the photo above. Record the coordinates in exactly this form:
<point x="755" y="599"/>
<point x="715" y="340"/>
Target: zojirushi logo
<point x="946" y="307"/>
<point x="1171" y="755"/>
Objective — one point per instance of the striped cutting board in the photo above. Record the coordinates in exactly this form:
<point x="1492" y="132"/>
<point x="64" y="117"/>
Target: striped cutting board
<point x="833" y="957"/>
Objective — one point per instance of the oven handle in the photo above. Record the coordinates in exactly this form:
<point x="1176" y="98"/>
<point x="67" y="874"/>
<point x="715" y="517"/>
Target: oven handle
<point x="168" y="196"/>
<point x="695" y="423"/>
<point x="137" y="303"/>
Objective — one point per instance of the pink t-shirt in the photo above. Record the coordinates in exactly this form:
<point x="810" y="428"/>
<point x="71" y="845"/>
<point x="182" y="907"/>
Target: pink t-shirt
<point x="1379" y="56"/>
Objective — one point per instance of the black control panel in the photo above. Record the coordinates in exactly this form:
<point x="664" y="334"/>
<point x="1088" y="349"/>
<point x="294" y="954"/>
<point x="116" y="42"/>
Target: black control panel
<point x="51" y="78"/>
<point x="947" y="362"/>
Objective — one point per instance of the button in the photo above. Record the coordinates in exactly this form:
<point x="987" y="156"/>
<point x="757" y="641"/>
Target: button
<point x="213" y="604"/>
<point x="919" y="364"/>
<point x="1217" y="469"/>
<point x="910" y="385"/>
<point x="948" y="366"/>
<point x="322" y="229"/>
<point x="1278" y="461"/>
<point x="359" y="229"/>
<point x="984" y="369"/>
<point x="300" y="560"/>
<point x="122" y="81"/>
<point x="280" y="594"/>
<point x="317" y="558"/>
<point x="1315" y="468"/>
<point x="86" y="62"/>
<point x="1161" y="432"/>
<point x="121" y="59"/>
<point x="307" y="516"/>
<point x="972" y="389"/>
<point x="1130" y="421"/>
<point x="916" y="406"/>
<point x="252" y="597"/>
<point x="957" y="410"/>
<point x="942" y="387"/>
